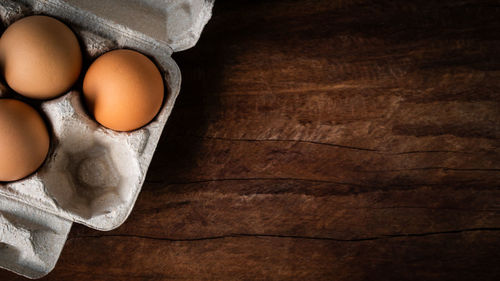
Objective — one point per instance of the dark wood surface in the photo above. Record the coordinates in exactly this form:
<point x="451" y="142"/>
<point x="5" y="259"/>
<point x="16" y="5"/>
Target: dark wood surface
<point x="321" y="140"/>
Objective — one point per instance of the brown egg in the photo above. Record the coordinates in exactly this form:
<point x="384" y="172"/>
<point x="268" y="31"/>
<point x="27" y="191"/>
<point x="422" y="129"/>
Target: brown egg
<point x="123" y="89"/>
<point x="24" y="142"/>
<point x="40" y="57"/>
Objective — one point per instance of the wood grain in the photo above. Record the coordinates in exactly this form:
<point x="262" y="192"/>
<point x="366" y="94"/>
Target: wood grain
<point x="321" y="140"/>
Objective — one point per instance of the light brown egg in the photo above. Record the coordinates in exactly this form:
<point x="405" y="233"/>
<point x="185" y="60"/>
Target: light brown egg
<point x="123" y="89"/>
<point x="24" y="143"/>
<point x="40" y="57"/>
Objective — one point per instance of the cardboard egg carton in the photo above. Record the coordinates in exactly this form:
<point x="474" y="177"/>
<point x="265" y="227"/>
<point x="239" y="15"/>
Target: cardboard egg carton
<point x="92" y="174"/>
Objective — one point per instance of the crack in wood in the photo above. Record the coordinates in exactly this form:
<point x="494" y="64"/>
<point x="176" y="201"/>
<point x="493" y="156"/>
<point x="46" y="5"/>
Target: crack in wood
<point x="325" y="144"/>
<point x="256" y="179"/>
<point x="430" y="151"/>
<point x="432" y="168"/>
<point x="374" y="187"/>
<point x="280" y="140"/>
<point x="259" y="235"/>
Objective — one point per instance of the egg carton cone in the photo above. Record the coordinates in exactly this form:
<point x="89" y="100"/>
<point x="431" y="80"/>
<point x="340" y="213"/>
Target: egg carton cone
<point x="92" y="175"/>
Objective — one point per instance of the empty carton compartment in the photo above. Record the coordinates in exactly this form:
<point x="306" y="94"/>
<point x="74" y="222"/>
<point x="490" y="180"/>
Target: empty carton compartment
<point x="30" y="240"/>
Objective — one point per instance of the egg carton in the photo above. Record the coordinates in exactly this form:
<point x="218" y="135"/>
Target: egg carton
<point x="92" y="175"/>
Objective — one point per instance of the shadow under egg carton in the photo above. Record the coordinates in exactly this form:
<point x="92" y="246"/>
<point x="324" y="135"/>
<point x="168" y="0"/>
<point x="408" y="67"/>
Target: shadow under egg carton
<point x="92" y="174"/>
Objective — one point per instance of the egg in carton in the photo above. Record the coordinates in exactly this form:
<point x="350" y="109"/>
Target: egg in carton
<point x="92" y="175"/>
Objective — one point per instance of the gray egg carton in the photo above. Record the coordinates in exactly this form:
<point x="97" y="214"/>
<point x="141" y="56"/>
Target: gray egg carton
<point x="92" y="175"/>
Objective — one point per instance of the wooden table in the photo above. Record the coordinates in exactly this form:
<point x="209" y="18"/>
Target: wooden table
<point x="321" y="140"/>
